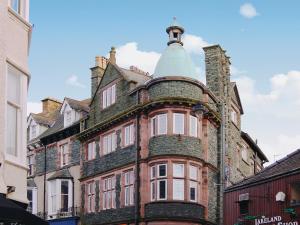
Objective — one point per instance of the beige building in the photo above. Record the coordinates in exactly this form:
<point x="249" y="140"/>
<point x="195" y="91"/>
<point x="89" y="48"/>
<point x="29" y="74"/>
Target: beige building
<point x="15" y="35"/>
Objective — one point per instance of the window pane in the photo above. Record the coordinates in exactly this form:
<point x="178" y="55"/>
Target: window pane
<point x="15" y="5"/>
<point x="178" y="189"/>
<point x="162" y="170"/>
<point x="153" y="126"/>
<point x="178" y="125"/>
<point x="178" y="170"/>
<point x="13" y="85"/>
<point x="113" y="94"/>
<point x="12" y="127"/>
<point x="131" y="195"/>
<point x="193" y="126"/>
<point x="127" y="195"/>
<point x="64" y="187"/>
<point x="153" y="193"/>
<point x="193" y="191"/>
<point x="104" y="104"/>
<point x="193" y="173"/>
<point x="153" y="174"/>
<point x="162" y="124"/>
<point x="162" y="188"/>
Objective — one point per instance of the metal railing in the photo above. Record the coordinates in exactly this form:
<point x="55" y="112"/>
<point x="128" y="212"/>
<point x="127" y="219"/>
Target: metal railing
<point x="61" y="213"/>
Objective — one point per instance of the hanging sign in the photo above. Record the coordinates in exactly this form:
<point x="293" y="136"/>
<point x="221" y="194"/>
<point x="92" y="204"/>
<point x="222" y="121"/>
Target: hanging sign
<point x="275" y="220"/>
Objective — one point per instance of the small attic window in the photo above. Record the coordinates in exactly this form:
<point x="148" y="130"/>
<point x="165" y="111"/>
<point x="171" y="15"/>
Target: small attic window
<point x="67" y="118"/>
<point x="175" y="35"/>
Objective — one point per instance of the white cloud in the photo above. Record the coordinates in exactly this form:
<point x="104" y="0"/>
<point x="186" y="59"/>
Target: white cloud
<point x="73" y="81"/>
<point x="129" y="54"/>
<point x="272" y="116"/>
<point x="248" y="10"/>
<point x="34" y="107"/>
<point x="194" y="44"/>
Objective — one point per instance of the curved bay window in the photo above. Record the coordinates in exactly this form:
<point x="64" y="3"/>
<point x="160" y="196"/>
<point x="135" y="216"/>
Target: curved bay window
<point x="180" y="184"/>
<point x="177" y="123"/>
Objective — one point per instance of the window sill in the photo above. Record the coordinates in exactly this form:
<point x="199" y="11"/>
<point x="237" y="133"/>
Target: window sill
<point x="18" y="17"/>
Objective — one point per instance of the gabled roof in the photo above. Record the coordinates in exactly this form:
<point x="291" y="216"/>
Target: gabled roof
<point x="61" y="174"/>
<point x="78" y="105"/>
<point x="129" y="75"/>
<point x="289" y="164"/>
<point x="246" y="137"/>
<point x="233" y="87"/>
<point x="44" y="118"/>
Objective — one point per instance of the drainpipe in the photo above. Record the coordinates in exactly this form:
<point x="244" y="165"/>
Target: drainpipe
<point x="137" y="166"/>
<point x="73" y="198"/>
<point x="221" y="163"/>
<point x="45" y="170"/>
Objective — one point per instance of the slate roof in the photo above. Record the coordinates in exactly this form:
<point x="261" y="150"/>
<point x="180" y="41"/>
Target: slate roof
<point x="254" y="146"/>
<point x="136" y="77"/>
<point x="287" y="165"/>
<point x="79" y="105"/>
<point x="31" y="183"/>
<point x="61" y="174"/>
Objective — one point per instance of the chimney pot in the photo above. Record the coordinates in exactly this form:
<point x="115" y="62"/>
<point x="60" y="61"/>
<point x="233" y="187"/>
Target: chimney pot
<point x="112" y="55"/>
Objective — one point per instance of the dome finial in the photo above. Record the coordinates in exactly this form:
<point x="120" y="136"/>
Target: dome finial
<point x="175" y="30"/>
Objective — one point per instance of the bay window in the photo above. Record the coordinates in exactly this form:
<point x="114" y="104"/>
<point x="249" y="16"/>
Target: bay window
<point x="158" y="182"/>
<point x="109" y="96"/>
<point x="159" y="124"/>
<point x="129" y="187"/>
<point x="129" y="135"/>
<point x="193" y="126"/>
<point x="91" y="150"/>
<point x="178" y="181"/>
<point x="59" y="196"/>
<point x="178" y="123"/>
<point x="13" y="111"/>
<point x="109" y="193"/>
<point x="64" y="154"/>
<point x="91" y="197"/>
<point x="109" y="143"/>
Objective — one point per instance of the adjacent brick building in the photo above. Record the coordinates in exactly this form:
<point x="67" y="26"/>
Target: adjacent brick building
<point x="158" y="149"/>
<point x="54" y="160"/>
<point x="272" y="196"/>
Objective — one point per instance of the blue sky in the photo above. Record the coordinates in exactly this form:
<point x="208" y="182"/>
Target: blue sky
<point x="261" y="37"/>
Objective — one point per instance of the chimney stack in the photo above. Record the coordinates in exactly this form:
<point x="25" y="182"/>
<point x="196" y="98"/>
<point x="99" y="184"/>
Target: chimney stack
<point x="112" y="55"/>
<point x="97" y="72"/>
<point x="50" y="104"/>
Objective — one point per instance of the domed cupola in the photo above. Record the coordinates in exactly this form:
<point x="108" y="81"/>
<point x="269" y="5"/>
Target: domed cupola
<point x="175" y="61"/>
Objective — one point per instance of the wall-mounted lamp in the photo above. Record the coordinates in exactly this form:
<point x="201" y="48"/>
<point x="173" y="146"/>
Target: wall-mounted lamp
<point x="280" y="197"/>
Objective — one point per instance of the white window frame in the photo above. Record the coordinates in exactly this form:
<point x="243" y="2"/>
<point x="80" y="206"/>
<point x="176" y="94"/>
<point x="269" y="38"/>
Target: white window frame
<point x="109" y="143"/>
<point x="193" y="182"/>
<point x="109" y="193"/>
<point x="159" y="124"/>
<point x="244" y="153"/>
<point x="176" y="128"/>
<point x="91" y="197"/>
<point x="30" y="162"/>
<point x="109" y="96"/>
<point x="158" y="174"/>
<point x="158" y="189"/>
<point x="55" y="198"/>
<point x="129" y="187"/>
<point x="129" y="135"/>
<point x="68" y="118"/>
<point x="64" y="152"/>
<point x="33" y="130"/>
<point x="23" y="8"/>
<point x="193" y="185"/>
<point x="193" y="126"/>
<point x="176" y="167"/>
<point x="91" y="150"/>
<point x="178" y="189"/>
<point x="33" y="200"/>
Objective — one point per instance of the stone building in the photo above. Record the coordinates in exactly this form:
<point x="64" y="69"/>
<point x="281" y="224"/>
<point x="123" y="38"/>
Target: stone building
<point x="54" y="160"/>
<point x="159" y="149"/>
<point x="14" y="79"/>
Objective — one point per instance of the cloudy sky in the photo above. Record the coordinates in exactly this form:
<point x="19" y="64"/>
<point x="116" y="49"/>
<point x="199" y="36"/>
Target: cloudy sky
<point x="261" y="37"/>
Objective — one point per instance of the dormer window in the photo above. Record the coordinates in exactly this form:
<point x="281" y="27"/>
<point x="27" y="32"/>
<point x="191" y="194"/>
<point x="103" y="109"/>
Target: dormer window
<point x="68" y="118"/>
<point x="33" y="131"/>
<point x="109" y="96"/>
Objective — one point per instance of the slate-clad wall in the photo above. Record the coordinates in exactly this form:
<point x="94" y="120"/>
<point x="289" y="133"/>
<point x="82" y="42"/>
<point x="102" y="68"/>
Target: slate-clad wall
<point x="174" y="210"/>
<point x="212" y="198"/>
<point x="110" y="161"/>
<point x="123" y="100"/>
<point x="109" y="216"/>
<point x="175" y="145"/>
<point x="171" y="89"/>
<point x="213" y="145"/>
<point x="52" y="157"/>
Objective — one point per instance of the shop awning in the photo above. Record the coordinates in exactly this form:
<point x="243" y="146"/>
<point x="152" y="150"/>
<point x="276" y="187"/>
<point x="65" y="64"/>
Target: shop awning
<point x="11" y="213"/>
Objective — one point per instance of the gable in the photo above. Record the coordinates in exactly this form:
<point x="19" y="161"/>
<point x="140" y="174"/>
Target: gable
<point x="65" y="107"/>
<point x="234" y="94"/>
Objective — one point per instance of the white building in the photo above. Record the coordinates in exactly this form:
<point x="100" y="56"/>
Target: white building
<point x="15" y="36"/>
